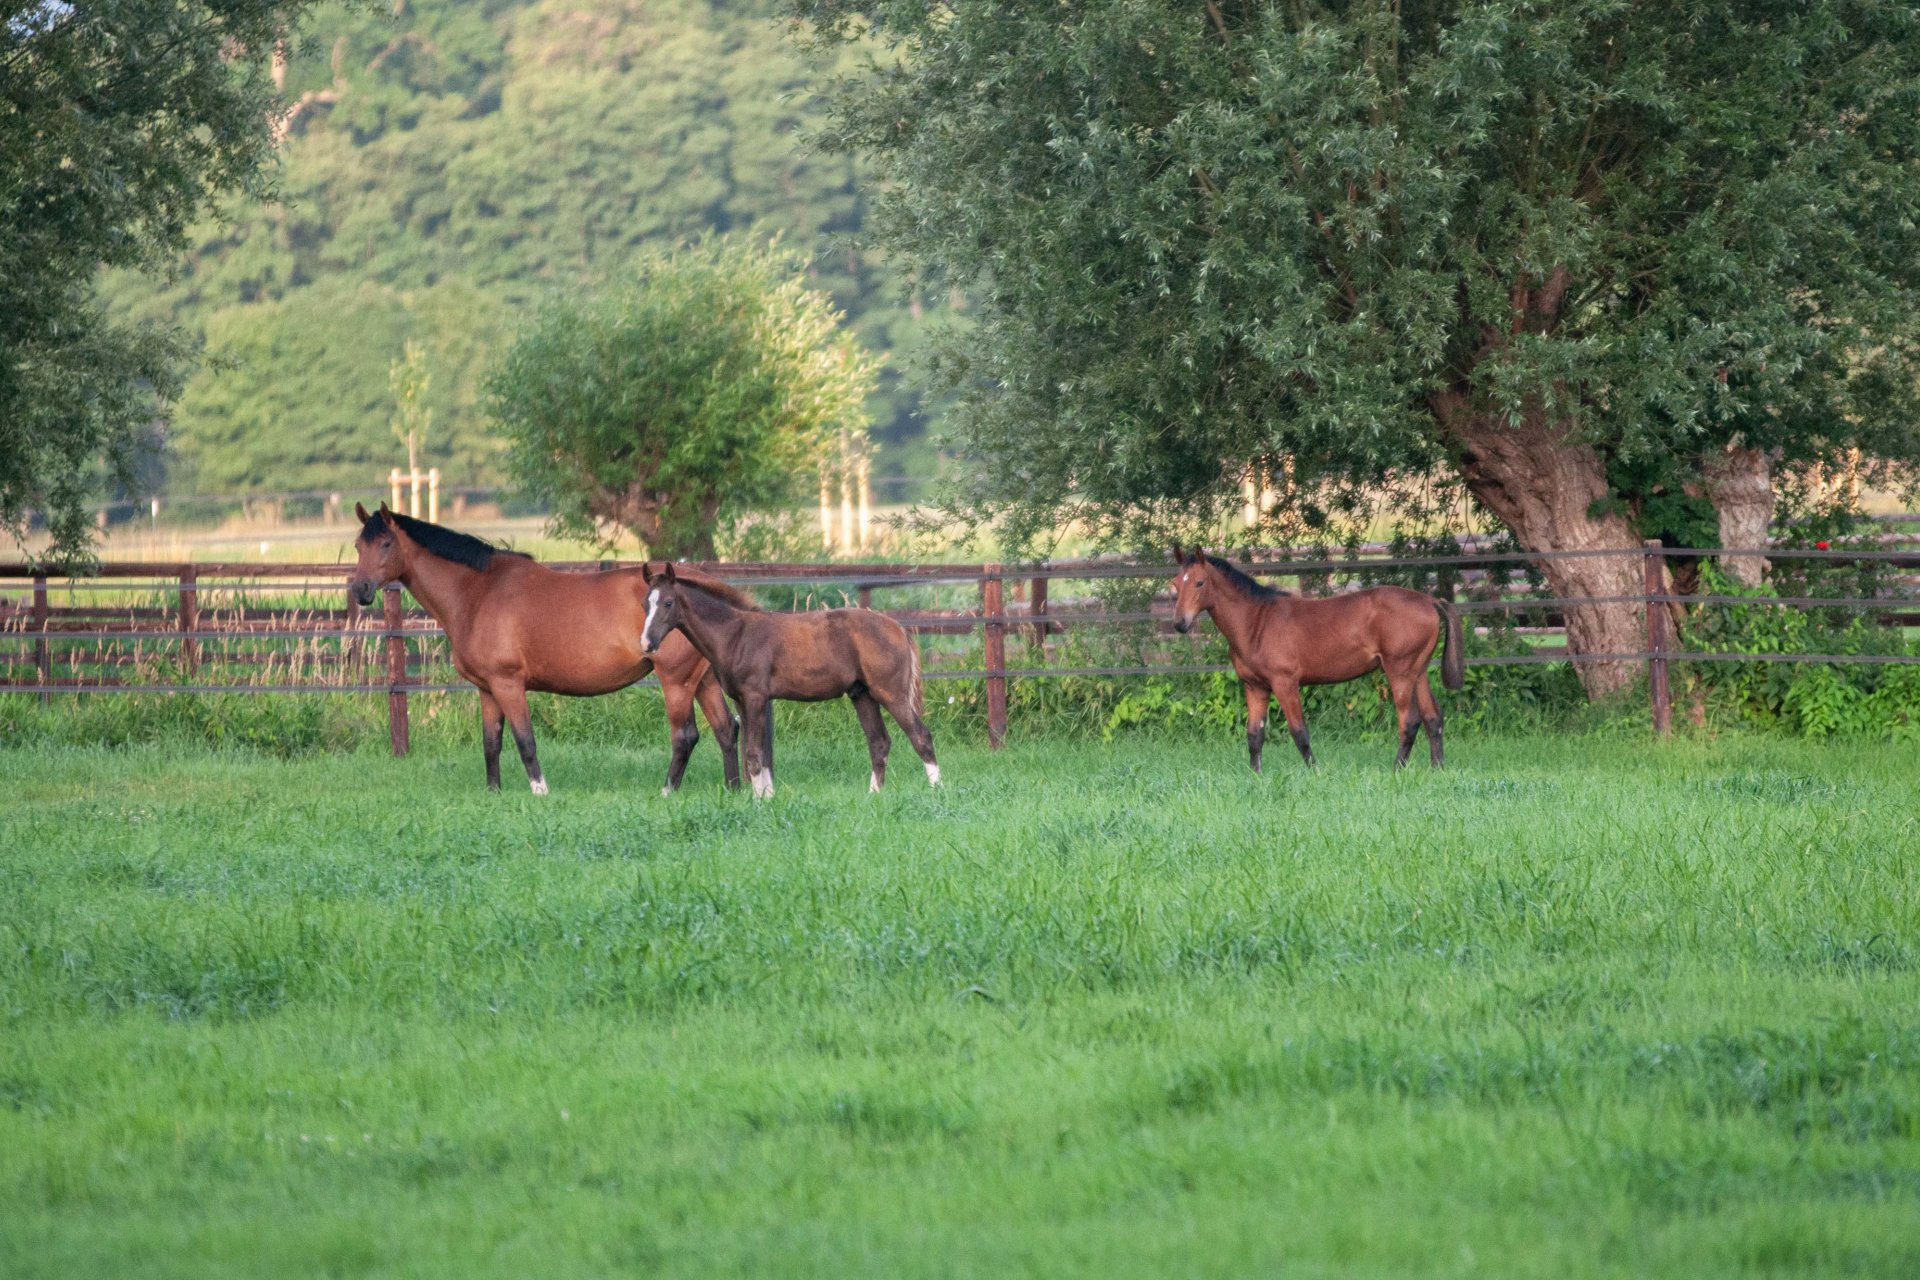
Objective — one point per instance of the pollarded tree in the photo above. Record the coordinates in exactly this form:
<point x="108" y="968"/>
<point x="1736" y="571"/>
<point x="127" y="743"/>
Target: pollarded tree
<point x="1538" y="245"/>
<point x="707" y="388"/>
<point x="119" y="125"/>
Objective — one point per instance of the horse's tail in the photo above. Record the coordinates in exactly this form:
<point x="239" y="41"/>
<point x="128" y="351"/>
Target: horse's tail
<point x="1453" y="653"/>
<point x="914" y="691"/>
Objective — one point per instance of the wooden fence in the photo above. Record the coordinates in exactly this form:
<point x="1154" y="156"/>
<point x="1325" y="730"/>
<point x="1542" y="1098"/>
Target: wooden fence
<point x="169" y="624"/>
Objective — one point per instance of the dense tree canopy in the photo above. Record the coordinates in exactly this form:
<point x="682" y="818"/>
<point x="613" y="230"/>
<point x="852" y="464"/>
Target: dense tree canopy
<point x="1576" y="254"/>
<point x="709" y="386"/>
<point x="119" y="123"/>
<point x="450" y="165"/>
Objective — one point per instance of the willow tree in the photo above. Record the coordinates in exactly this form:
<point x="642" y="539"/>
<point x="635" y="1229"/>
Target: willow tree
<point x="707" y="386"/>
<point x="1574" y="254"/>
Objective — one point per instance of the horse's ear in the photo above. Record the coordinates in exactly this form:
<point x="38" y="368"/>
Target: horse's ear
<point x="646" y="572"/>
<point x="386" y="513"/>
<point x="1179" y="557"/>
<point x="360" y="509"/>
<point x="669" y="572"/>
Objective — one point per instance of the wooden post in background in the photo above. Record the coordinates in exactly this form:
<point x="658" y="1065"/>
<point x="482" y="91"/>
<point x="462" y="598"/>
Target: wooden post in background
<point x="42" y="651"/>
<point x="994" y="630"/>
<point x="396" y="674"/>
<point x="189" y="618"/>
<point x="1657" y="646"/>
<point x="865" y="595"/>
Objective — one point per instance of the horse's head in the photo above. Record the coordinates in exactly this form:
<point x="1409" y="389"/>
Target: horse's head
<point x="1192" y="587"/>
<point x="663" y="607"/>
<point x="382" y="552"/>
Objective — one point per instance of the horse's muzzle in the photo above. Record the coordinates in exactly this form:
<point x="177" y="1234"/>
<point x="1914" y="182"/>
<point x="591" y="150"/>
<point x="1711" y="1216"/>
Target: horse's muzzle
<point x="1183" y="625"/>
<point x="361" y="593"/>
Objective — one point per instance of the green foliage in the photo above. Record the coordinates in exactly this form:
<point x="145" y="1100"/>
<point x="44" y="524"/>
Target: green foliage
<point x="1816" y="700"/>
<point x="299" y="397"/>
<point x="452" y="165"/>
<point x="1207" y="235"/>
<point x="120" y="124"/>
<point x="709" y="387"/>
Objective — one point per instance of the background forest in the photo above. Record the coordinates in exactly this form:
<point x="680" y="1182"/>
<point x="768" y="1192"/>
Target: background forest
<point x="449" y="165"/>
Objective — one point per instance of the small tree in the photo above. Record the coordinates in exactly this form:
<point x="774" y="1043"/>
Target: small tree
<point x="705" y="389"/>
<point x="409" y="379"/>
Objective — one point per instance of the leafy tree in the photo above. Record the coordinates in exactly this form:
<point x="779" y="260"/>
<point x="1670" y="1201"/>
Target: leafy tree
<point x="119" y="123"/>
<point x="1550" y="249"/>
<point x="710" y="387"/>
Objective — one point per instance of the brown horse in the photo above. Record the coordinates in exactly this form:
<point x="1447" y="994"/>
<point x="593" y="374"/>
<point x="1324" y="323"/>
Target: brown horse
<point x="1279" y="642"/>
<point x="802" y="657"/>
<point x="516" y="626"/>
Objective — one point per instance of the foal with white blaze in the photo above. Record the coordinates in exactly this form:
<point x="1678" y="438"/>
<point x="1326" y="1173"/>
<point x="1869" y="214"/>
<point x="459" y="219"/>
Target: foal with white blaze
<point x="802" y="657"/>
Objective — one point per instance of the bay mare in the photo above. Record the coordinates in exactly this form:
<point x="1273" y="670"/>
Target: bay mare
<point x="802" y="657"/>
<point x="1279" y="642"/>
<point x="515" y="626"/>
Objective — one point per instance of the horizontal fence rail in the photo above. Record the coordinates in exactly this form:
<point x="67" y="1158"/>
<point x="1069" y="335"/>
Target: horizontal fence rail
<point x="220" y="613"/>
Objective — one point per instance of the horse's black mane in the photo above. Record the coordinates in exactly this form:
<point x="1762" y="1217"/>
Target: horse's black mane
<point x="448" y="544"/>
<point x="1247" y="586"/>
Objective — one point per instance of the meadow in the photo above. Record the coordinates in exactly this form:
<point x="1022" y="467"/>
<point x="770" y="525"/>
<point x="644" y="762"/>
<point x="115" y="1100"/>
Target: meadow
<point x="1578" y="1005"/>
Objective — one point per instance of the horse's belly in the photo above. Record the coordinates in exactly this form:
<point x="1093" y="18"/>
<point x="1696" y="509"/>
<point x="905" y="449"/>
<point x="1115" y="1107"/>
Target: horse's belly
<point x="1340" y="672"/>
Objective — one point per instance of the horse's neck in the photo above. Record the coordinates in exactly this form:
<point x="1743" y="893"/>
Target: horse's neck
<point x="445" y="589"/>
<point x="1240" y="621"/>
<point x="709" y="622"/>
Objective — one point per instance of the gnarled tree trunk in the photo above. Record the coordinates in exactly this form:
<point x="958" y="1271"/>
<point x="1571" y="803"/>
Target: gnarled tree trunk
<point x="645" y="513"/>
<point x="1739" y="483"/>
<point x="1544" y="483"/>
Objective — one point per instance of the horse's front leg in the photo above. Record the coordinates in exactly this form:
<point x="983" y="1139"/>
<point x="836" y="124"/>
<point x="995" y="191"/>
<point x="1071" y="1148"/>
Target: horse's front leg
<point x="513" y="701"/>
<point x="757" y="711"/>
<point x="1257" y="699"/>
<point x="726" y="729"/>
<point x="491" y="720"/>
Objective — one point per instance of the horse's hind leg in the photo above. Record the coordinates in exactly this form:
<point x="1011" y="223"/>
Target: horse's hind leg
<point x="1289" y="695"/>
<point x="686" y="732"/>
<point x="726" y="729"/>
<point x="879" y="743"/>
<point x="907" y="716"/>
<point x="1408" y="716"/>
<point x="491" y="720"/>
<point x="1431" y="717"/>
<point x="513" y="702"/>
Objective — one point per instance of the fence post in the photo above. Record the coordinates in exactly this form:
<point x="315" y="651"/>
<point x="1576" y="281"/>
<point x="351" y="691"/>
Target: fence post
<point x="189" y="618"/>
<point x="396" y="674"/>
<point x="1657" y="647"/>
<point x="1037" y="608"/>
<point x="42" y="651"/>
<point x="993" y="627"/>
<point x="865" y="595"/>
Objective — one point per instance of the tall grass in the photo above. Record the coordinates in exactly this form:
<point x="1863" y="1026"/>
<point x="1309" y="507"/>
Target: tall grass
<point x="1572" y="1007"/>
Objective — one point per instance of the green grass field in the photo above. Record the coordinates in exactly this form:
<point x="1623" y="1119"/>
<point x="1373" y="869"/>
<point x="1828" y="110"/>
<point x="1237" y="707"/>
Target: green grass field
<point x="1574" y="1007"/>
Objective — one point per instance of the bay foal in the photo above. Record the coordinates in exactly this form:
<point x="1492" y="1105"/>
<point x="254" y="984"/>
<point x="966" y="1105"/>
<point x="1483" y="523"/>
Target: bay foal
<point x="515" y="626"/>
<point x="801" y="657"/>
<point x="1279" y="642"/>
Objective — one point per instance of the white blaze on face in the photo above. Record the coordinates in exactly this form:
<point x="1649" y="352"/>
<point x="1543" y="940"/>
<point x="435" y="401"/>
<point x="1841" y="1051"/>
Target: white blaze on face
<point x="933" y="775"/>
<point x="653" y="607"/>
